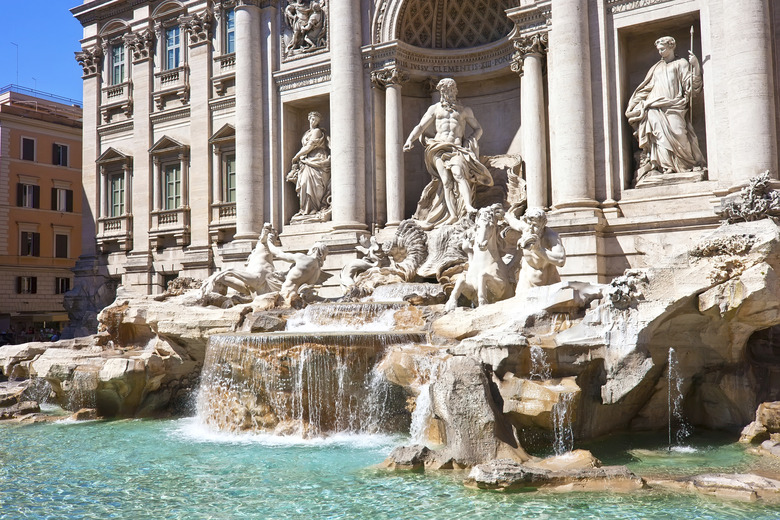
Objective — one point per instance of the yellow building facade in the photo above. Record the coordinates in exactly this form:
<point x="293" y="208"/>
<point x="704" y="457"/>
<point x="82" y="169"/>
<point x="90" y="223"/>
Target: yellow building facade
<point x="40" y="211"/>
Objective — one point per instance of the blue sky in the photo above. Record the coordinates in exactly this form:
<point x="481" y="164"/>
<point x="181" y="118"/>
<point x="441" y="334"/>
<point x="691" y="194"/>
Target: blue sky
<point x="47" y="35"/>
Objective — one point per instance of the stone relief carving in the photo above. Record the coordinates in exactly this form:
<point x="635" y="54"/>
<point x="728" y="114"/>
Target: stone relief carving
<point x="452" y="159"/>
<point x="90" y="60"/>
<point x="625" y="291"/>
<point x="757" y="200"/>
<point x="308" y="22"/>
<point x="488" y="278"/>
<point x="541" y="249"/>
<point x="311" y="174"/>
<point x="259" y="276"/>
<point x="659" y="111"/>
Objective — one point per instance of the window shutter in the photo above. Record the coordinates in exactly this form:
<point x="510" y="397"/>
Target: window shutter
<point x="69" y="200"/>
<point x="19" y="194"/>
<point x="34" y="285"/>
<point x="64" y="155"/>
<point x="36" y="196"/>
<point x="54" y="199"/>
<point x="36" y="244"/>
<point x="18" y="285"/>
<point x="55" y="156"/>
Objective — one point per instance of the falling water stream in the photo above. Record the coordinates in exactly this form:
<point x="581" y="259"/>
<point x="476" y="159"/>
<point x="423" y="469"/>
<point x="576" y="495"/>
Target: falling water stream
<point x="678" y="427"/>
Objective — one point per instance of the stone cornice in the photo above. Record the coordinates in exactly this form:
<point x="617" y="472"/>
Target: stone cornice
<point x="302" y="77"/>
<point x="170" y="115"/>
<point x="96" y="10"/>
<point x="532" y="18"/>
<point x="116" y="128"/>
<point x="423" y="63"/>
<point x="620" y="6"/>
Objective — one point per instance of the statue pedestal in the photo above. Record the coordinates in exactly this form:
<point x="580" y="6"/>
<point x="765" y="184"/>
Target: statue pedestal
<point x="667" y="179"/>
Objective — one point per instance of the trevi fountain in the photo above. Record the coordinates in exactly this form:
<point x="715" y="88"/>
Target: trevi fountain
<point x="444" y="365"/>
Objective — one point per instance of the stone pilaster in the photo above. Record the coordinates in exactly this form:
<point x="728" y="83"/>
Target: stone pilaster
<point x="200" y="62"/>
<point x="380" y="176"/>
<point x="528" y="61"/>
<point x="751" y="104"/>
<point x="348" y="168"/>
<point x="571" y="107"/>
<point x="140" y="46"/>
<point x="250" y="172"/>
<point x="393" y="79"/>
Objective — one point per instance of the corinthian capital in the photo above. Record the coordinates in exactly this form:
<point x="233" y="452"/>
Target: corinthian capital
<point x="529" y="45"/>
<point x="389" y="76"/>
<point x="90" y="60"/>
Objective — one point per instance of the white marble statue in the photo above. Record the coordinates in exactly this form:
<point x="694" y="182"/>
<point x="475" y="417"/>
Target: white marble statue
<point x="306" y="19"/>
<point x="257" y="277"/>
<point x="541" y="248"/>
<point x="659" y="111"/>
<point x="452" y="159"/>
<point x="305" y="271"/>
<point x="488" y="279"/>
<point x="311" y="174"/>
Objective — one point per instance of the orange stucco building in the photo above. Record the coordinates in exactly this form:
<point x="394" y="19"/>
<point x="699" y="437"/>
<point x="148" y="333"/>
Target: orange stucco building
<point x="40" y="210"/>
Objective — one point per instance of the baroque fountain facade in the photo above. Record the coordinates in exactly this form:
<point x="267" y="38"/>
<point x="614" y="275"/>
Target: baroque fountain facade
<point x="591" y="240"/>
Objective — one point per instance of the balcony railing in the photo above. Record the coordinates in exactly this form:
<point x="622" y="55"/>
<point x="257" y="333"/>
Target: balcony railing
<point x="172" y="82"/>
<point x="171" y="223"/>
<point x="115" y="230"/>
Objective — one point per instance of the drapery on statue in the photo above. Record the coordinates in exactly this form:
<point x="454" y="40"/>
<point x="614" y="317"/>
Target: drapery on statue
<point x="307" y="21"/>
<point x="541" y="248"/>
<point x="488" y="279"/>
<point x="659" y="111"/>
<point x="311" y="174"/>
<point x="451" y="158"/>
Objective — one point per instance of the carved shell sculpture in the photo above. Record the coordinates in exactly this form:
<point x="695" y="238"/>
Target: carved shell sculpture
<point x="407" y="250"/>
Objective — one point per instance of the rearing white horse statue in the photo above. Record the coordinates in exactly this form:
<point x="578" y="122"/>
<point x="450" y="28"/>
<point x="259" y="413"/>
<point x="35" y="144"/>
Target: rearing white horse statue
<point x="488" y="279"/>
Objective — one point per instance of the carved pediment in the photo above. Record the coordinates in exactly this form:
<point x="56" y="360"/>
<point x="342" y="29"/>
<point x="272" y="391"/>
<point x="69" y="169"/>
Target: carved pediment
<point x="112" y="155"/>
<point x="166" y="145"/>
<point x="225" y="134"/>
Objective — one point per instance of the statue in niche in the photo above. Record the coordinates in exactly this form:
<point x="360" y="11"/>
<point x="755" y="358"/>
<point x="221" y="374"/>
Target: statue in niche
<point x="451" y="158"/>
<point x="541" y="249"/>
<point x="311" y="174"/>
<point x="306" y="19"/>
<point x="488" y="278"/>
<point x="659" y="111"/>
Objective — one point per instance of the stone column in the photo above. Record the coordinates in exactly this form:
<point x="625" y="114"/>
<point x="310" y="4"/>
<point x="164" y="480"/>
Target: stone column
<point x="249" y="124"/>
<point x="380" y="197"/>
<point x="528" y="62"/>
<point x="571" y="107"/>
<point x="392" y="79"/>
<point x="348" y="169"/>
<point x="751" y="105"/>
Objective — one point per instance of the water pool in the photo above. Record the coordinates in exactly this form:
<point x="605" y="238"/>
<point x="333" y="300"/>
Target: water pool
<point x="175" y="469"/>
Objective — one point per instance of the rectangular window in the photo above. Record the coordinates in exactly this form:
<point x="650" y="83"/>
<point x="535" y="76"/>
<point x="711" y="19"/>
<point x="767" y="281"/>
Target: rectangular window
<point x="117" y="195"/>
<point x="28" y="149"/>
<point x="172" y="186"/>
<point x="61" y="285"/>
<point x="117" y="64"/>
<point x="62" y="199"/>
<point x="230" y="178"/>
<point x="230" y="31"/>
<point x="60" y="246"/>
<point x="59" y="154"/>
<point x="30" y="244"/>
<point x="26" y="284"/>
<point x="28" y="195"/>
<point x="172" y="47"/>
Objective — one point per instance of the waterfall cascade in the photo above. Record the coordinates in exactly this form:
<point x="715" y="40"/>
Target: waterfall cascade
<point x="311" y="380"/>
<point x="678" y="426"/>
